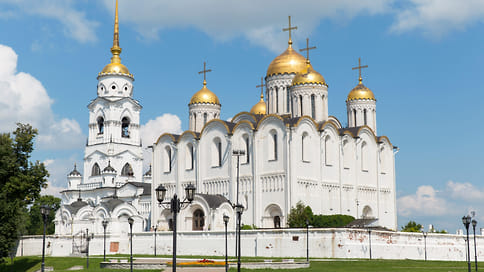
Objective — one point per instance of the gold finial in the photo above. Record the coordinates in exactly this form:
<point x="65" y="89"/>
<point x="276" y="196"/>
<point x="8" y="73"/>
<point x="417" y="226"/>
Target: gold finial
<point x="289" y="29"/>
<point x="359" y="69"/>
<point x="307" y="49"/>
<point x="261" y="88"/>
<point x="116" y="50"/>
<point x="205" y="71"/>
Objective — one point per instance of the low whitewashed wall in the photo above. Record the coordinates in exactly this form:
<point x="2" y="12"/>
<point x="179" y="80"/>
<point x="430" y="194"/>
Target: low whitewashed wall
<point x="323" y="243"/>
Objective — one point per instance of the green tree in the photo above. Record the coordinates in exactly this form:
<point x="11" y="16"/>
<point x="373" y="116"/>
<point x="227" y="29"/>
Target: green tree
<point x="298" y="215"/>
<point x="20" y="183"/>
<point x="331" y="221"/>
<point x="411" y="226"/>
<point x="35" y="224"/>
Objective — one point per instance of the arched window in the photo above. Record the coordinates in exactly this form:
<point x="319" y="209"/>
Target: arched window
<point x="100" y="125"/>
<point x="127" y="170"/>
<point x="277" y="222"/>
<point x="354" y="116"/>
<point x="194" y="121"/>
<point x="301" y="106"/>
<point x="364" y="157"/>
<point x="328" y="151"/>
<point x="277" y="99"/>
<point x="313" y="106"/>
<point x="288" y="100"/>
<point x="167" y="160"/>
<point x="346" y="154"/>
<point x="198" y="220"/>
<point x="204" y="118"/>
<point x="96" y="171"/>
<point x="305" y="147"/>
<point x="189" y="160"/>
<point x="364" y="117"/>
<point x="125" y="127"/>
<point x="217" y="152"/>
<point x="246" y="142"/>
<point x="272" y="145"/>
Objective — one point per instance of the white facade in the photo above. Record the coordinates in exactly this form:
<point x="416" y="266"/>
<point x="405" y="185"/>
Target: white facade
<point x="295" y="152"/>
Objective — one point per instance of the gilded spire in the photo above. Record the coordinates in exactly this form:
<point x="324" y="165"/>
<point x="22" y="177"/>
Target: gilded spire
<point x="205" y="71"/>
<point x="359" y="70"/>
<point x="289" y="29"/>
<point x="116" y="50"/>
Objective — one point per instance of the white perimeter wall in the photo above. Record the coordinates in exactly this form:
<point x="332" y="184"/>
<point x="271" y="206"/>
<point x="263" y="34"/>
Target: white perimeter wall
<point x="323" y="243"/>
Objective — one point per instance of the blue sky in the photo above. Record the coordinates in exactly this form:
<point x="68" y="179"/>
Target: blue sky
<point x="425" y="62"/>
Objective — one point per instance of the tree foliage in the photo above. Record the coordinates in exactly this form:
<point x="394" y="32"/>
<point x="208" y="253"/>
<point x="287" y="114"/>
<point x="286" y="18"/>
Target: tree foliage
<point x="20" y="183"/>
<point x="299" y="214"/>
<point x="412" y="226"/>
<point x="35" y="225"/>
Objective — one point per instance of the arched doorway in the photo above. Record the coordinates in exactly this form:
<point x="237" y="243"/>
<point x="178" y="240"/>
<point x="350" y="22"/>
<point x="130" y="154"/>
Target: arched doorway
<point x="198" y="220"/>
<point x="277" y="222"/>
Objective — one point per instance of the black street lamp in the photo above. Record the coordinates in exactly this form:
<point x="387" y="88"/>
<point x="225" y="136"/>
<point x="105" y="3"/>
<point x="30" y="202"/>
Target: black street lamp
<point x="307" y="240"/>
<point x="105" y="225"/>
<point x="88" y="239"/>
<point x="175" y="206"/>
<point x="369" y="241"/>
<point x="466" y="220"/>
<point x="425" y="242"/>
<point x="238" y="207"/>
<point x="226" y="221"/>
<point x="474" y="224"/>
<point x="44" y="210"/>
<point x="131" y="221"/>
<point x="155" y="228"/>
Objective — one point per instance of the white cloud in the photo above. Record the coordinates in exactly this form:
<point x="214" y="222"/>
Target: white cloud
<point x="76" y="24"/>
<point x="58" y="169"/>
<point x="260" y="22"/>
<point x="25" y="100"/>
<point x="167" y="123"/>
<point x="464" y="191"/>
<point x="438" y="17"/>
<point x="426" y="201"/>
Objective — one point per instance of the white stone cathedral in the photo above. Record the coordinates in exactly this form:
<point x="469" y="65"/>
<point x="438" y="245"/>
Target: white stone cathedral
<point x="113" y="187"/>
<point x="294" y="151"/>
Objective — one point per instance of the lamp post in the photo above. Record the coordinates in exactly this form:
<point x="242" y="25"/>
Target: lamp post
<point x="44" y="210"/>
<point x="238" y="207"/>
<point x="88" y="239"/>
<point x="131" y="221"/>
<point x="307" y="240"/>
<point x="425" y="243"/>
<point x="155" y="228"/>
<point x="466" y="220"/>
<point x="369" y="241"/>
<point x="105" y="225"/>
<point x="175" y="205"/>
<point x="226" y="221"/>
<point x="474" y="224"/>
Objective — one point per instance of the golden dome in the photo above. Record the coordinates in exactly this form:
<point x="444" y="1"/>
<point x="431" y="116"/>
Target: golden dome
<point x="204" y="96"/>
<point x="360" y="92"/>
<point x="115" y="67"/>
<point x="260" y="107"/>
<point x="288" y="62"/>
<point x="307" y="76"/>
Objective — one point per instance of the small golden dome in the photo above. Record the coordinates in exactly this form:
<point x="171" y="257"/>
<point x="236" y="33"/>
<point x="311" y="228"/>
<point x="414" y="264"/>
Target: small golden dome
<point x="260" y="107"/>
<point x="360" y="92"/>
<point x="288" y="62"/>
<point x="115" y="68"/>
<point x="308" y="76"/>
<point x="204" y="96"/>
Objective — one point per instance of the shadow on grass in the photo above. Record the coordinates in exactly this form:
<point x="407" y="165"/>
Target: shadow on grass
<point x="20" y="264"/>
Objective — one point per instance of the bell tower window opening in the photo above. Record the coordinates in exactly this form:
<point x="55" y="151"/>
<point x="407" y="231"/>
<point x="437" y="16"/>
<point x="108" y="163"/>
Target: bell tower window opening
<point x="125" y="127"/>
<point x="198" y="220"/>
<point x="100" y="125"/>
<point x="96" y="171"/>
<point x="127" y="170"/>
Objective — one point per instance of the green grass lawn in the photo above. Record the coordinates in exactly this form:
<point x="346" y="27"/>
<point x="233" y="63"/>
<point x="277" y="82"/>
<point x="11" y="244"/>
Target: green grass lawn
<point x="30" y="264"/>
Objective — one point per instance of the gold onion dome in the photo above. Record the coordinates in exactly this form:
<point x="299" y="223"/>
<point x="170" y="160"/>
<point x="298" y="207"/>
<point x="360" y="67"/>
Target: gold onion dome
<point x="204" y="96"/>
<point x="308" y="76"/>
<point x="260" y="107"/>
<point x="288" y="62"/>
<point x="115" y="67"/>
<point x="361" y="92"/>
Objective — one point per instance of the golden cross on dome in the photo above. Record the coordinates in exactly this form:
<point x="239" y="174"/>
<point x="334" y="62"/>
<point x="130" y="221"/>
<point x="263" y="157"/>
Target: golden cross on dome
<point x="359" y="69"/>
<point x="261" y="87"/>
<point x="289" y="29"/>
<point x="205" y="71"/>
<point x="307" y="48"/>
